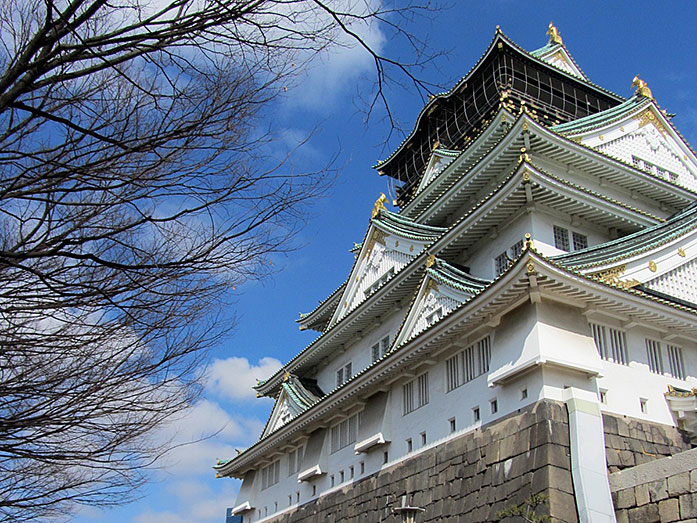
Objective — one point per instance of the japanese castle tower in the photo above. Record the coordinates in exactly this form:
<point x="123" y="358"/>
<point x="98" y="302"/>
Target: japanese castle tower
<point x="525" y="324"/>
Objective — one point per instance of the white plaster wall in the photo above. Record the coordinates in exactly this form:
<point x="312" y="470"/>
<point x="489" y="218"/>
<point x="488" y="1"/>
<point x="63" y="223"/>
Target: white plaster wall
<point x="481" y="261"/>
<point x="359" y="352"/>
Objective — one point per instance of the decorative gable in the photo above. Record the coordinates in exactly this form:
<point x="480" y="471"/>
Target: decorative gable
<point x="392" y="241"/>
<point x="680" y="282"/>
<point x="444" y="288"/>
<point x="560" y="58"/>
<point x="293" y="399"/>
<point x="440" y="159"/>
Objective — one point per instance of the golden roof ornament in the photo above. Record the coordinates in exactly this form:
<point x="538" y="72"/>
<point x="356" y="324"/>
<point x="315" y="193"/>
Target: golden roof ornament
<point x="430" y="261"/>
<point x="641" y="88"/>
<point x="554" y="35"/>
<point x="286" y="376"/>
<point x="379" y="205"/>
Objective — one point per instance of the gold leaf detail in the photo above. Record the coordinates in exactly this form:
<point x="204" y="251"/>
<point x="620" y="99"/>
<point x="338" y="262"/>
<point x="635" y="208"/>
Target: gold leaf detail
<point x="379" y="205"/>
<point x="652" y="266"/>
<point x="530" y="268"/>
<point x="430" y="261"/>
<point x="681" y="252"/>
<point x="612" y="277"/>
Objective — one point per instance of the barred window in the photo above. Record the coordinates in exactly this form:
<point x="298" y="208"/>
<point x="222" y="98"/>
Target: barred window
<point x="516" y="249"/>
<point x="414" y="397"/>
<point x="468" y="364"/>
<point x="611" y="343"/>
<point x="580" y="240"/>
<point x="344" y="434"/>
<point x="675" y="362"/>
<point x="270" y="474"/>
<point x="561" y="238"/>
<point x="375" y="353"/>
<point x="636" y="162"/>
<point x="379" y="282"/>
<point x="653" y="352"/>
<point x="500" y="263"/>
<point x="343" y="374"/>
<point x="294" y="461"/>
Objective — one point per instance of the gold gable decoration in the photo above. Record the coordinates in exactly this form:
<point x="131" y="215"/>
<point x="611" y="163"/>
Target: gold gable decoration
<point x="612" y="277"/>
<point x="379" y="205"/>
<point x="554" y="35"/>
<point x="641" y="88"/>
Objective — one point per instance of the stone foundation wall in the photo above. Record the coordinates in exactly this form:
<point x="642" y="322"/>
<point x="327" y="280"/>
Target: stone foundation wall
<point x="630" y="442"/>
<point x="663" y="490"/>
<point x="470" y="478"/>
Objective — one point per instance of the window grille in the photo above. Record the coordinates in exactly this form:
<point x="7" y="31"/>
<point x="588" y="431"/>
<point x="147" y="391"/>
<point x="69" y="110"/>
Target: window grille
<point x="611" y="343"/>
<point x="517" y="249"/>
<point x="676" y="362"/>
<point x="561" y="238"/>
<point x="270" y="474"/>
<point x="382" y="280"/>
<point x="468" y="364"/>
<point x="580" y="240"/>
<point x="653" y="352"/>
<point x="415" y="397"/>
<point x="434" y="316"/>
<point x="375" y="353"/>
<point x="343" y="374"/>
<point x="344" y="434"/>
<point x="500" y="263"/>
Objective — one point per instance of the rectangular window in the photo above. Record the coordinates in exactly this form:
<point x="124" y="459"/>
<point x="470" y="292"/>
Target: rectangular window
<point x="423" y="439"/>
<point x="453" y="426"/>
<point x="524" y="394"/>
<point x="341" y="476"/>
<point x="500" y="264"/>
<point x="676" y="362"/>
<point x="410" y="446"/>
<point x="343" y="374"/>
<point x="611" y="343"/>
<point x="351" y="472"/>
<point x="517" y="249"/>
<point x="291" y="463"/>
<point x="477" y="416"/>
<point x="270" y="474"/>
<point x="561" y="238"/>
<point x="648" y="166"/>
<point x="379" y="349"/>
<point x="653" y="353"/>
<point x="344" y="434"/>
<point x="414" y="397"/>
<point x="468" y="364"/>
<point x="636" y="162"/>
<point x="494" y="406"/>
<point x="644" y="405"/>
<point x="580" y="240"/>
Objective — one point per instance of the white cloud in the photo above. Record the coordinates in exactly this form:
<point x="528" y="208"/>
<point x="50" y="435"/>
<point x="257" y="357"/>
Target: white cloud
<point x="234" y="378"/>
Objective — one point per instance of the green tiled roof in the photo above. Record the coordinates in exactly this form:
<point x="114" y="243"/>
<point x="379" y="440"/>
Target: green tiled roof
<point x="407" y="228"/>
<point x="456" y="278"/>
<point x="593" y="121"/>
<point x="677" y="225"/>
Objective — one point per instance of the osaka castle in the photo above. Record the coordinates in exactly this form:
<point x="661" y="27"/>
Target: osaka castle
<point x="521" y="334"/>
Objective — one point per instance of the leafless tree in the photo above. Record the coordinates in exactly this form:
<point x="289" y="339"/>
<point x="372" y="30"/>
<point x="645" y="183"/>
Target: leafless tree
<point x="134" y="193"/>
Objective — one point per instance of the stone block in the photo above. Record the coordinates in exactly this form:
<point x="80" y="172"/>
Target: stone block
<point x="625" y="499"/>
<point x="679" y="484"/>
<point x="641" y="493"/>
<point x="646" y="514"/>
<point x="658" y="490"/>
<point x="622" y="516"/>
<point x="688" y="505"/>
<point x="669" y="510"/>
<point x="693" y="480"/>
<point x="562" y="506"/>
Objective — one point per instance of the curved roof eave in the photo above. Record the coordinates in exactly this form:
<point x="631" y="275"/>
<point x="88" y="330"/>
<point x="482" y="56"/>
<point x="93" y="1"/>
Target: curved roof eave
<point x="498" y="36"/>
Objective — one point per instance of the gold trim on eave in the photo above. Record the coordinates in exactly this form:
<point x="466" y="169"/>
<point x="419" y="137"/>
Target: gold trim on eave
<point x="430" y="261"/>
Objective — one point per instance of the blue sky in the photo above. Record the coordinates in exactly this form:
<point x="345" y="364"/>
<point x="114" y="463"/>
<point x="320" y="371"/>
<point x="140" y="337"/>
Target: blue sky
<point x="612" y="42"/>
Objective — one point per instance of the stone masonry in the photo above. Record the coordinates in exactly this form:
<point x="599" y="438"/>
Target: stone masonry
<point x="664" y="490"/>
<point x="467" y="479"/>
<point x="630" y="442"/>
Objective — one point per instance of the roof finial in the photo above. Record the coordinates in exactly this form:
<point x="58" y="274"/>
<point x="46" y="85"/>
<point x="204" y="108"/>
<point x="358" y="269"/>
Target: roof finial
<point x="379" y="205"/>
<point x="641" y="88"/>
<point x="554" y="35"/>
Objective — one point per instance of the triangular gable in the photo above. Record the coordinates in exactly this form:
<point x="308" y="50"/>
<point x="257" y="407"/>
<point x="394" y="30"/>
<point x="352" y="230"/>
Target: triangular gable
<point x="293" y="399"/>
<point x="641" y="136"/>
<point x="681" y="282"/>
<point x="442" y="290"/>
<point x="391" y="243"/>
<point x="557" y="56"/>
<point x="439" y="160"/>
